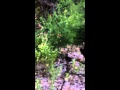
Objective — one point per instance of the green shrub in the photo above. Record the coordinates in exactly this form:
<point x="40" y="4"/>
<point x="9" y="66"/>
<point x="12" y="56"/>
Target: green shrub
<point x="66" y="24"/>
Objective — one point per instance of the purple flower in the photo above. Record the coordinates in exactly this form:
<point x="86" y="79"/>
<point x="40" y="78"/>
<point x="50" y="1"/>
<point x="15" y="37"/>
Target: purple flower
<point x="81" y="57"/>
<point x="74" y="88"/>
<point x="70" y="55"/>
<point x="67" y="83"/>
<point x="75" y="53"/>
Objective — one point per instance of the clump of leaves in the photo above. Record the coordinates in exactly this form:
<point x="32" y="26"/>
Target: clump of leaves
<point x="45" y="53"/>
<point x="37" y="85"/>
<point x="66" y="76"/>
<point x="75" y="67"/>
<point x="54" y="72"/>
<point x="66" y="24"/>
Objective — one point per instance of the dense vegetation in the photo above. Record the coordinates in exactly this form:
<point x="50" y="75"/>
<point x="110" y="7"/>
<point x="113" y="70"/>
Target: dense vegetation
<point x="58" y="23"/>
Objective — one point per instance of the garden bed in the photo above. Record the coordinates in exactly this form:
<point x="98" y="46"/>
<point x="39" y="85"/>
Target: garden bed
<point x="71" y="76"/>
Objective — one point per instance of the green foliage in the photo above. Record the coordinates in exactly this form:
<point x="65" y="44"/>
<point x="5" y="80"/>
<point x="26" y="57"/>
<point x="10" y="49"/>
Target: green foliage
<point x="45" y="53"/>
<point x="76" y="69"/>
<point x="66" y="24"/>
<point x="66" y="76"/>
<point x="37" y="86"/>
<point x="54" y="74"/>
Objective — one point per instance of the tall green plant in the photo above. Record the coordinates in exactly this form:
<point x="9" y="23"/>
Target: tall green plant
<point x="44" y="52"/>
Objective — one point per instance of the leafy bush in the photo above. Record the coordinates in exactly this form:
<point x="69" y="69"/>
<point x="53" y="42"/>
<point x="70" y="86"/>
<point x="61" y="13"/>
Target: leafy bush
<point x="44" y="52"/>
<point x="66" y="25"/>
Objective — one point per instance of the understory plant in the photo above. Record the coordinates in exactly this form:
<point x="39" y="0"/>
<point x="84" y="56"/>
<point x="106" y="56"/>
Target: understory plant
<point x="54" y="72"/>
<point x="44" y="52"/>
<point x="67" y="23"/>
<point x="37" y="85"/>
